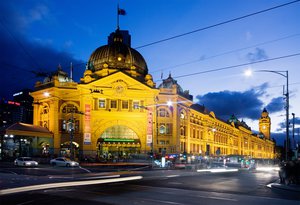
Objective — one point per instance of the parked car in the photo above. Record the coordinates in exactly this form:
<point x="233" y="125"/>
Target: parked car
<point x="25" y="161"/>
<point x="63" y="161"/>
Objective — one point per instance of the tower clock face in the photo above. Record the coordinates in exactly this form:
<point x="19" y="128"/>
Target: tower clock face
<point x="119" y="89"/>
<point x="264" y="127"/>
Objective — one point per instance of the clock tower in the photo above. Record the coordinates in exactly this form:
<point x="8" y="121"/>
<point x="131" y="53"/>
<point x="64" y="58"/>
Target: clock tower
<point x="265" y="124"/>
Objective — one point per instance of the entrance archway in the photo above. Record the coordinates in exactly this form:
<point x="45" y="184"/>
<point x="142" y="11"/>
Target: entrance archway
<point x="118" y="142"/>
<point x="65" y="149"/>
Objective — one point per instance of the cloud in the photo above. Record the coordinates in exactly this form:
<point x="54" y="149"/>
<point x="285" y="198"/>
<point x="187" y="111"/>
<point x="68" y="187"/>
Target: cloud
<point x="257" y="55"/>
<point x="21" y="57"/>
<point x="243" y="104"/>
<point x="282" y="125"/>
<point x="276" y="105"/>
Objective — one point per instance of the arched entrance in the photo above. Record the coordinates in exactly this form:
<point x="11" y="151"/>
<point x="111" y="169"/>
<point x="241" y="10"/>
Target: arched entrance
<point x="65" y="149"/>
<point x="118" y="143"/>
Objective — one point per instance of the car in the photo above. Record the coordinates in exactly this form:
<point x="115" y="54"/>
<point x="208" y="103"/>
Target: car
<point x="26" y="162"/>
<point x="63" y="161"/>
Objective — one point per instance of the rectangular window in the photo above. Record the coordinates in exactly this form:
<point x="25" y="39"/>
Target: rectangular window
<point x="124" y="104"/>
<point x="113" y="104"/>
<point x="161" y="142"/>
<point x="102" y="103"/>
<point x="168" y="128"/>
<point x="136" y="105"/>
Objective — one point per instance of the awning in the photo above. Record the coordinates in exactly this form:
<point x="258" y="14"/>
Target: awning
<point x="24" y="129"/>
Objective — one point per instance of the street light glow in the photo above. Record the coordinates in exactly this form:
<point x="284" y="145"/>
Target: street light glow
<point x="169" y="103"/>
<point x="46" y="94"/>
<point x="248" y="72"/>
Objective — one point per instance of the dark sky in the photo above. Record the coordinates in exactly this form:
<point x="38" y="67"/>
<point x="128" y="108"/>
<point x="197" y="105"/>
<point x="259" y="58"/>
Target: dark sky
<point x="23" y="60"/>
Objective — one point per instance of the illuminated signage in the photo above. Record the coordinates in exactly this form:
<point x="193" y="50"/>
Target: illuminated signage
<point x="16" y="94"/>
<point x="149" y="126"/>
<point x="117" y="140"/>
<point x="13" y="103"/>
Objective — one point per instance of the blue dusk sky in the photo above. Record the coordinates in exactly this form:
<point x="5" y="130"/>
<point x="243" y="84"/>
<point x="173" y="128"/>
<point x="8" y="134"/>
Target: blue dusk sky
<point x="206" y="45"/>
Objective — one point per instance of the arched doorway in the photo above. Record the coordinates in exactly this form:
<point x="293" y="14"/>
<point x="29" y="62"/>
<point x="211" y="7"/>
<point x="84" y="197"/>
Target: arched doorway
<point x="118" y="142"/>
<point x="65" y="149"/>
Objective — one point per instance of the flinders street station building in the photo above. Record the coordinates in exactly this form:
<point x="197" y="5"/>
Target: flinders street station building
<point x="116" y="109"/>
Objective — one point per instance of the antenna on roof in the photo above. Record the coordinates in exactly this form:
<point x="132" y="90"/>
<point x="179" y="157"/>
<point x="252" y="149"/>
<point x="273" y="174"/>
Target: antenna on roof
<point x="71" y="72"/>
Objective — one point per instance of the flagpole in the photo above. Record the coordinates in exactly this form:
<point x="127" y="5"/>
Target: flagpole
<point x="118" y="27"/>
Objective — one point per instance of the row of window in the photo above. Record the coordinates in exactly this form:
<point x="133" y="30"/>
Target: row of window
<point x="127" y="105"/>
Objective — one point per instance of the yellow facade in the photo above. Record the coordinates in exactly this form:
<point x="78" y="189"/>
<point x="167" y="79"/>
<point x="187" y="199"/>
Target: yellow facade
<point x="117" y="108"/>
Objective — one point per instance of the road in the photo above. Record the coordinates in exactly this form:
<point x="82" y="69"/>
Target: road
<point x="156" y="187"/>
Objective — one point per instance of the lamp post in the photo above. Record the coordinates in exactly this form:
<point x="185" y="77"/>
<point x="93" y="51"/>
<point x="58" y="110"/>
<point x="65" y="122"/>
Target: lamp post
<point x="286" y="75"/>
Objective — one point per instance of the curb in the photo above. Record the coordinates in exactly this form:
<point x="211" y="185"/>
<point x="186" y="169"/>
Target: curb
<point x="291" y="187"/>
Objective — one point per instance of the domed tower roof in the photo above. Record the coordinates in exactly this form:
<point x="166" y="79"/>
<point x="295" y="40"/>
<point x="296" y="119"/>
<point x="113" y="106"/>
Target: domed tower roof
<point x="169" y="82"/>
<point x="118" y="55"/>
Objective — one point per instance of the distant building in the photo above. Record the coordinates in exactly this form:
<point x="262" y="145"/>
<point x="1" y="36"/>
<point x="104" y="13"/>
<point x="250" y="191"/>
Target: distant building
<point x="26" y="108"/>
<point x="117" y="109"/>
<point x="19" y="109"/>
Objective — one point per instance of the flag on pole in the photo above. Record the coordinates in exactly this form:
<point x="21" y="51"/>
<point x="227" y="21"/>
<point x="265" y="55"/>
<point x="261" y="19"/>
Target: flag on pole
<point x="121" y="12"/>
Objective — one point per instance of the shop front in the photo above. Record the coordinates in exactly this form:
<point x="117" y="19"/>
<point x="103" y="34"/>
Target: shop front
<point x="25" y="140"/>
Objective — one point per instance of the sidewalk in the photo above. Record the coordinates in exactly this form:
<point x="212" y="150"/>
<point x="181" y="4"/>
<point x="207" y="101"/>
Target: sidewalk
<point x="290" y="187"/>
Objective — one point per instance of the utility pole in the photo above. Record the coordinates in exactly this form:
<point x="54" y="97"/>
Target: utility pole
<point x="71" y="133"/>
<point x="293" y="127"/>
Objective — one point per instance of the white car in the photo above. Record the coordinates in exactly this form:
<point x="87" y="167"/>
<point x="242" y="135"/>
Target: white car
<point x="63" y="161"/>
<point x="25" y="161"/>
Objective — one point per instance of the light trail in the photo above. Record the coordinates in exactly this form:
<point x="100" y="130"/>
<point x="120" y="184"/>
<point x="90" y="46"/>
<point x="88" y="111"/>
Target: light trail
<point x="217" y="170"/>
<point x="65" y="184"/>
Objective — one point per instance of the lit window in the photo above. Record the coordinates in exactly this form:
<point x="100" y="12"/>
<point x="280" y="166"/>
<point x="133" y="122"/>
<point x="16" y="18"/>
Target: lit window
<point x="161" y="142"/>
<point x="162" y="129"/>
<point x="102" y="103"/>
<point x="136" y="105"/>
<point x="163" y="113"/>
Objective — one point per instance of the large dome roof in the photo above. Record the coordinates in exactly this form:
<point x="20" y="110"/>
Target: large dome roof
<point x="118" y="56"/>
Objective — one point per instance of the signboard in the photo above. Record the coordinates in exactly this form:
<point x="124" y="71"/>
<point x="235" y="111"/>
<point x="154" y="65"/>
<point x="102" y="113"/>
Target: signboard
<point x="87" y="118"/>
<point x="87" y="139"/>
<point x="149" y="126"/>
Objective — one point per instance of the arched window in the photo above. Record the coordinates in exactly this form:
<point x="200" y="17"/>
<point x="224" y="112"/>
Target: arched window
<point x="69" y="119"/>
<point x="163" y="113"/>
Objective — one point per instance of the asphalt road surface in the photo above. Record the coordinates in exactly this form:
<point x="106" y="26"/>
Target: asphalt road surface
<point x="156" y="187"/>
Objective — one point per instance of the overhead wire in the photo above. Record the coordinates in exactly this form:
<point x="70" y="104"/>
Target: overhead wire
<point x="217" y="24"/>
<point x="239" y="65"/>
<point x="225" y="53"/>
<point x="187" y="33"/>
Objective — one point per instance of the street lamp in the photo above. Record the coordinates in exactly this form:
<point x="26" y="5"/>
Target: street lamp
<point x="286" y="75"/>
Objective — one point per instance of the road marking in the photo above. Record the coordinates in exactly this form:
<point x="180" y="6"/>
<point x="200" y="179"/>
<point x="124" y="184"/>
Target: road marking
<point x="174" y="183"/>
<point x="85" y="169"/>
<point x="66" y="184"/>
<point x="174" y="175"/>
<point x="163" y="202"/>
